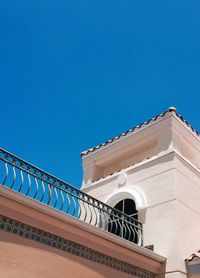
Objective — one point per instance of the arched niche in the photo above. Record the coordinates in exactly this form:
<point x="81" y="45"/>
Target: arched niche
<point x="129" y="192"/>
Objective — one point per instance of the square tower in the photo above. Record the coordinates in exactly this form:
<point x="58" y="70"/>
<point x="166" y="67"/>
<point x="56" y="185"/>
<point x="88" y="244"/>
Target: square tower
<point x="156" y="165"/>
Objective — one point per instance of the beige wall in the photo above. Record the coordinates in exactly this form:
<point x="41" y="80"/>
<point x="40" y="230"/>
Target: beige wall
<point x="156" y="180"/>
<point x="165" y="187"/>
<point x="22" y="258"/>
<point x="27" y="258"/>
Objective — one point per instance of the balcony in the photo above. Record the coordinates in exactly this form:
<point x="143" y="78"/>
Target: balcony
<point x="26" y="179"/>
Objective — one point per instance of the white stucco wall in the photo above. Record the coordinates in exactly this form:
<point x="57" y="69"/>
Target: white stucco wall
<point x="165" y="188"/>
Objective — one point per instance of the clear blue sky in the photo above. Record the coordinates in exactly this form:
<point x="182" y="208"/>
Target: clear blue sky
<point x="74" y="73"/>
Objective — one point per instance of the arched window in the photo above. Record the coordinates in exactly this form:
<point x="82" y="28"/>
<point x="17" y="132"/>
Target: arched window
<point x="128" y="207"/>
<point x="122" y="227"/>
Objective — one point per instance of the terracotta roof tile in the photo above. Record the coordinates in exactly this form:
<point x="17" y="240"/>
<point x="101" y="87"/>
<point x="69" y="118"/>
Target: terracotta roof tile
<point x="194" y="256"/>
<point x="171" y="110"/>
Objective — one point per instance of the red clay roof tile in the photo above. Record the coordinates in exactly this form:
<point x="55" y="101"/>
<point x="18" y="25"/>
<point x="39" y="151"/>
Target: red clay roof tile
<point x="194" y="256"/>
<point x="169" y="110"/>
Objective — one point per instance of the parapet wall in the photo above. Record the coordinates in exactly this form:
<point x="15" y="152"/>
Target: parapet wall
<point x="38" y="241"/>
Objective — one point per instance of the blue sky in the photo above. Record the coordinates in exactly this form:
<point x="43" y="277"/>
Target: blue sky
<point x="75" y="73"/>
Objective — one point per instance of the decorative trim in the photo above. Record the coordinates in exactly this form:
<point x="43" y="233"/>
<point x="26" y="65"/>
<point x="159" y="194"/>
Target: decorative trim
<point x="43" y="237"/>
<point x="130" y="192"/>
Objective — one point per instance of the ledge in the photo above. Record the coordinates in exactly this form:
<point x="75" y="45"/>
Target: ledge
<point x="31" y="212"/>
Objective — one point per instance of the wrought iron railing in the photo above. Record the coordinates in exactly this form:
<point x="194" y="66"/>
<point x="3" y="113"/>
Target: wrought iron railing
<point x="39" y="185"/>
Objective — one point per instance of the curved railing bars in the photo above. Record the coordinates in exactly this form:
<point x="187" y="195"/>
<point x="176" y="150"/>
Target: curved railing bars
<point x="31" y="181"/>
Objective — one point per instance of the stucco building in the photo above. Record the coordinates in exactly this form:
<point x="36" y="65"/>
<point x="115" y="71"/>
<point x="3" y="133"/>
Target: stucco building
<point x="136" y="215"/>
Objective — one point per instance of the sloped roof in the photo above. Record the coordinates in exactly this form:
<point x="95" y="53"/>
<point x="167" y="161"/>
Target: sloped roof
<point x="124" y="134"/>
<point x="193" y="257"/>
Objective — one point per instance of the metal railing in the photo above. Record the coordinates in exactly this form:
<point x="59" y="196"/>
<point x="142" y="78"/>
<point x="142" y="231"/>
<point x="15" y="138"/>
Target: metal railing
<point x="39" y="185"/>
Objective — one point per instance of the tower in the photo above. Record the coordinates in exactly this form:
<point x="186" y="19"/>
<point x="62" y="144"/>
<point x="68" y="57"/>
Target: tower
<point x="153" y="169"/>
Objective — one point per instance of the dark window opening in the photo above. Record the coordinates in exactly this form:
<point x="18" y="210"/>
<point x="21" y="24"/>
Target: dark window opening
<point x="121" y="226"/>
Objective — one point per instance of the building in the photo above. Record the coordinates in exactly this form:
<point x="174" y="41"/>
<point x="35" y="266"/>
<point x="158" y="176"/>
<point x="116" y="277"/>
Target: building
<point x="137" y="214"/>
